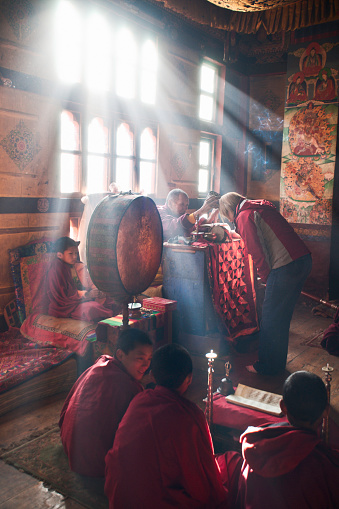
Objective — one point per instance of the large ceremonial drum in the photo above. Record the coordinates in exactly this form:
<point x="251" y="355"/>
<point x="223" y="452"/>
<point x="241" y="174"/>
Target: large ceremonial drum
<point x="124" y="245"/>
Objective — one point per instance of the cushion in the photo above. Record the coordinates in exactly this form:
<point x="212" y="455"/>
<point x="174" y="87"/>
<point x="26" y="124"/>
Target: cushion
<point x="29" y="266"/>
<point x="35" y="252"/>
<point x="74" y="335"/>
<point x="33" y="278"/>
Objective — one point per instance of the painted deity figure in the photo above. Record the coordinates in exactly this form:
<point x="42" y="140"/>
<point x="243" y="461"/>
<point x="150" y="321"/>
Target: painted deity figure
<point x="312" y="62"/>
<point x="297" y="90"/>
<point x="325" y="86"/>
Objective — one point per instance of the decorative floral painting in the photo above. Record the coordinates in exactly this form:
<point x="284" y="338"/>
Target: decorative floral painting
<point x="310" y="133"/>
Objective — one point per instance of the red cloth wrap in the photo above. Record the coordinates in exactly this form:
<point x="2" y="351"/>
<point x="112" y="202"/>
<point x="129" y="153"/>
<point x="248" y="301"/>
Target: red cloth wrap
<point x="162" y="456"/>
<point x="92" y="412"/>
<point x="64" y="299"/>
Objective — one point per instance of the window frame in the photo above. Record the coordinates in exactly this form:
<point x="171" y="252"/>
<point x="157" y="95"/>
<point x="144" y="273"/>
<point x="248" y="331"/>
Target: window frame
<point x="210" y="167"/>
<point x="112" y="122"/>
<point x="213" y="95"/>
<point x="107" y="104"/>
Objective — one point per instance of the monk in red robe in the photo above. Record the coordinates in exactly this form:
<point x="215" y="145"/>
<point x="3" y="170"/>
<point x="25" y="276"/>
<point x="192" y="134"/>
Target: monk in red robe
<point x="162" y="455"/>
<point x="174" y="217"/>
<point x="286" y="465"/>
<point x="64" y="298"/>
<point x="98" y="400"/>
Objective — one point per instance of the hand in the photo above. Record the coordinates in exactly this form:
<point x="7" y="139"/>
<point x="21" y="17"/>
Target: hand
<point x="213" y="216"/>
<point x="212" y="202"/>
<point x="93" y="294"/>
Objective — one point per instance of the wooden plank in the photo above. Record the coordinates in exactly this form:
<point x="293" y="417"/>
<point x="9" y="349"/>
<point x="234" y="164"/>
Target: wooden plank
<point x="13" y="482"/>
<point x="37" y="496"/>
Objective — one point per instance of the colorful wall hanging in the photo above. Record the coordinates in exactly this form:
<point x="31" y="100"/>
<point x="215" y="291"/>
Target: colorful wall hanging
<point x="310" y="134"/>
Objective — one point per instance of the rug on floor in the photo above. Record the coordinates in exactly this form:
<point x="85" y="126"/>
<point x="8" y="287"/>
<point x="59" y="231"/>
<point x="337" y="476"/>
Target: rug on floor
<point x="45" y="459"/>
<point x="315" y="341"/>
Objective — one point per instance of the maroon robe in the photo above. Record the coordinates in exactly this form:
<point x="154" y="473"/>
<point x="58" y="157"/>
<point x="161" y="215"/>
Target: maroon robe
<point x="282" y="468"/>
<point x="173" y="226"/>
<point x="64" y="300"/>
<point x="162" y="456"/>
<point x="92" y="412"/>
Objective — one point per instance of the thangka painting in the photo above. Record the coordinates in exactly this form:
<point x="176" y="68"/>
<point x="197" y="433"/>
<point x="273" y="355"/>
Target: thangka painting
<point x="310" y="133"/>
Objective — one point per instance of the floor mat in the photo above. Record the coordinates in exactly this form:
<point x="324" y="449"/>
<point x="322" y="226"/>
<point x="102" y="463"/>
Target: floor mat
<point x="45" y="459"/>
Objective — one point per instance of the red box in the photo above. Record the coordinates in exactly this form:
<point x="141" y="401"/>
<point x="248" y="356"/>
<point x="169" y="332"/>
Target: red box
<point x="159" y="304"/>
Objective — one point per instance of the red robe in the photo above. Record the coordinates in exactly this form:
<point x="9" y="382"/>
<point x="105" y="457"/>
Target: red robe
<point x="92" y="412"/>
<point x="162" y="456"/>
<point x="64" y="300"/>
<point x="173" y="226"/>
<point x="281" y="467"/>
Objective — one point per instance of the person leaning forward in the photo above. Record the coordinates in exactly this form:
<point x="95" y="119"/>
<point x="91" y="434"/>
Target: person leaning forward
<point x="282" y="261"/>
<point x="174" y="216"/>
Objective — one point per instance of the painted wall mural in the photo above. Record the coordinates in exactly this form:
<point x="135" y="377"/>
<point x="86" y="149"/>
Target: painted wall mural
<point x="310" y="133"/>
<point x="21" y="144"/>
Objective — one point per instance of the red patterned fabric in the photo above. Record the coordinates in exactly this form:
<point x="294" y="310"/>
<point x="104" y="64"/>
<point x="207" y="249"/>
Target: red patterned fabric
<point x="232" y="281"/>
<point x="21" y="360"/>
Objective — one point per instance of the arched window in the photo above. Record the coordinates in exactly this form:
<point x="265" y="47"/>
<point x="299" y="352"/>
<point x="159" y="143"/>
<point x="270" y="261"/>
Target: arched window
<point x="98" y="156"/>
<point x="148" y="154"/>
<point x="70" y="152"/>
<point x="124" y="162"/>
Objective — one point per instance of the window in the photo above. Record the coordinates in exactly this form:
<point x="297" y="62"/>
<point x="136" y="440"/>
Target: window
<point x="98" y="54"/>
<point x="136" y="152"/>
<point x="206" y="151"/>
<point x="95" y="53"/>
<point x="148" y="152"/>
<point x="126" y="64"/>
<point x="148" y="75"/>
<point x="124" y="157"/>
<point x="70" y="156"/>
<point x="68" y="43"/>
<point x="98" y="156"/>
<point x="91" y="49"/>
<point x="208" y="88"/>
<point x="132" y="165"/>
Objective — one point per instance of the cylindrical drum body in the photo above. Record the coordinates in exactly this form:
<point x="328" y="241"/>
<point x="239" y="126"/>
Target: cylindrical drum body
<point x="124" y="245"/>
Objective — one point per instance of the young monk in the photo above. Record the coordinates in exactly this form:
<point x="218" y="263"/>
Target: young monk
<point x="286" y="465"/>
<point x="98" y="400"/>
<point x="162" y="455"/>
<point x="64" y="298"/>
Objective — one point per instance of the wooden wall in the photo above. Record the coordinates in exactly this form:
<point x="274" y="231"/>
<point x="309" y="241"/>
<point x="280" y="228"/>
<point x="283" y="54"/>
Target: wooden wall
<point x="179" y="127"/>
<point x="31" y="206"/>
<point x="28" y="176"/>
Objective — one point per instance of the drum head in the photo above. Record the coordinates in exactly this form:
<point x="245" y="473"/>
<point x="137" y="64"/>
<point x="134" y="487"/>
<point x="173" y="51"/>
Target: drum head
<point x="124" y="245"/>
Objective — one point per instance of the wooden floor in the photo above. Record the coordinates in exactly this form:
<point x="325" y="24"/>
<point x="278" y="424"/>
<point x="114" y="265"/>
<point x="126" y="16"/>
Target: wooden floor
<point x="19" y="490"/>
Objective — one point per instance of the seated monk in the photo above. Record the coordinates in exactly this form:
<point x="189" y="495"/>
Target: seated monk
<point x="286" y="465"/>
<point x="65" y="300"/>
<point x="98" y="400"/>
<point x="174" y="216"/>
<point x="162" y="456"/>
